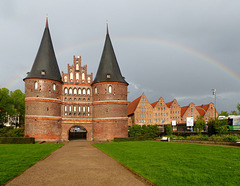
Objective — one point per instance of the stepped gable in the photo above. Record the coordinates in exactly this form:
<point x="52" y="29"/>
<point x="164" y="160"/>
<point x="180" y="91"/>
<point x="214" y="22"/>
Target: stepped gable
<point x="108" y="70"/>
<point x="132" y="106"/>
<point x="45" y="65"/>
<point x="202" y="108"/>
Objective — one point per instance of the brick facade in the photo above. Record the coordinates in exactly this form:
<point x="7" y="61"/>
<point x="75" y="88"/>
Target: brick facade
<point x="162" y="113"/>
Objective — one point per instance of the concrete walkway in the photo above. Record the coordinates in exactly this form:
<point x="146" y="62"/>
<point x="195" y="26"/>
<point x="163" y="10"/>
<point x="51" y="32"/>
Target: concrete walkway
<point x="77" y="163"/>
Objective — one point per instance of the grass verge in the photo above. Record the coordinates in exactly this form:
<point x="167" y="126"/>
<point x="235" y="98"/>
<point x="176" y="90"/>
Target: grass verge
<point x="15" y="158"/>
<point x="177" y="163"/>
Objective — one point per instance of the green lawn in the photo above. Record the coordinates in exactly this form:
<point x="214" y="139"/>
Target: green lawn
<point x="165" y="163"/>
<point x="15" y="158"/>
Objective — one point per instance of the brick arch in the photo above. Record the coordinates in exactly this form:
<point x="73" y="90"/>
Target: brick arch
<point x="67" y="127"/>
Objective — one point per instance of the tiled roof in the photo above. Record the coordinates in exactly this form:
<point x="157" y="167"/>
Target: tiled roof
<point x="183" y="110"/>
<point x="202" y="108"/>
<point x="154" y="104"/>
<point x="169" y="104"/>
<point x="132" y="106"/>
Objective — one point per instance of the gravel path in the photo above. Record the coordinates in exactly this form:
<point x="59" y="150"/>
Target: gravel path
<point x="77" y="163"/>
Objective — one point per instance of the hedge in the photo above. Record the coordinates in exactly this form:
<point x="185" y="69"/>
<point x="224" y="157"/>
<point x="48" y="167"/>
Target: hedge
<point x="16" y="140"/>
<point x="138" y="138"/>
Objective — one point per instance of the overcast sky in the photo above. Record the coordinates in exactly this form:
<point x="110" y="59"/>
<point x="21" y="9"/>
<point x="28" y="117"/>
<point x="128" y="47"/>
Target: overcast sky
<point x="165" y="48"/>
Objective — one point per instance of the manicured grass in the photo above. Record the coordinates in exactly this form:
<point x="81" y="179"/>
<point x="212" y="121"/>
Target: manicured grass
<point x="15" y="158"/>
<point x="165" y="163"/>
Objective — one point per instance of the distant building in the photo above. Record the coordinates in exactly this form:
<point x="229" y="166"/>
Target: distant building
<point x="140" y="112"/>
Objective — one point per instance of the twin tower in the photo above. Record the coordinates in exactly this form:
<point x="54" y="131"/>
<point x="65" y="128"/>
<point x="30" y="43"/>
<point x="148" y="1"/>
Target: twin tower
<point x="60" y="105"/>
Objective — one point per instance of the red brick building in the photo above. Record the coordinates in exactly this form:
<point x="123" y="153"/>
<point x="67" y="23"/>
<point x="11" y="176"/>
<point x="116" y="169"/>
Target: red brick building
<point x="140" y="111"/>
<point x="58" y="107"/>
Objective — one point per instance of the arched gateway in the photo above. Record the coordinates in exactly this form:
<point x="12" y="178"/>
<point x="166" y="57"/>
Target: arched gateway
<point x="77" y="133"/>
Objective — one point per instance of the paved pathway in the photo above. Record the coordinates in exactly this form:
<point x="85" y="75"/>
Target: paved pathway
<point x="77" y="163"/>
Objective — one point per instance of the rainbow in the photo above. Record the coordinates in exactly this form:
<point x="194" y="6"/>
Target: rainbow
<point x="97" y="42"/>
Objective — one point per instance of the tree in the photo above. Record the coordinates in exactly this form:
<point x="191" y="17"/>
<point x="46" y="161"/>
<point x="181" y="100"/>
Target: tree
<point x="18" y="99"/>
<point x="200" y="124"/>
<point x="5" y="105"/>
<point x="11" y="104"/>
<point x="238" y="107"/>
<point x="224" y="113"/>
<point x="233" y="112"/>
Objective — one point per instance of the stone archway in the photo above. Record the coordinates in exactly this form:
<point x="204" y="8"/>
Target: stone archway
<point x="77" y="133"/>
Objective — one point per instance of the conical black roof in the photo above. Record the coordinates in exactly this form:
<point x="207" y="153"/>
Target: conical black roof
<point x="108" y="70"/>
<point x="45" y="65"/>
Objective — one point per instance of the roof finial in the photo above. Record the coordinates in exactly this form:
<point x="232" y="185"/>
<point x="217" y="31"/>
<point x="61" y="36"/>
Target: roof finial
<point x="47" y="20"/>
<point x="107" y="26"/>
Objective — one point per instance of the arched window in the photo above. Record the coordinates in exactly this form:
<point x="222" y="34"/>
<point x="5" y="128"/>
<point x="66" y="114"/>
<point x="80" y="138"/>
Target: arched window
<point x="89" y="80"/>
<point x="83" y="76"/>
<point x="71" y="76"/>
<point x="95" y="90"/>
<point x="54" y="87"/>
<point x="88" y="91"/>
<point x="84" y="91"/>
<point x="65" y="108"/>
<point x="70" y="108"/>
<point x="74" y="108"/>
<point x="75" y="91"/>
<point x="77" y="76"/>
<point x="109" y="89"/>
<point x="79" y="91"/>
<point x="70" y="91"/>
<point x="65" y="90"/>
<point x="77" y="66"/>
<point x="35" y="85"/>
<point x="65" y="78"/>
<point x="88" y="109"/>
<point x="79" y="109"/>
<point x="84" y="109"/>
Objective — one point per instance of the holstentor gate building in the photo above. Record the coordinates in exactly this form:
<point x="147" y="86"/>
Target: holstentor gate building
<point x="55" y="103"/>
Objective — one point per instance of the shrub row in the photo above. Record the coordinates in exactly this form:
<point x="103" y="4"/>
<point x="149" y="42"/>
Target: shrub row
<point x="138" y="138"/>
<point x="150" y="131"/>
<point x="209" y="138"/>
<point x="16" y="140"/>
<point x="10" y="132"/>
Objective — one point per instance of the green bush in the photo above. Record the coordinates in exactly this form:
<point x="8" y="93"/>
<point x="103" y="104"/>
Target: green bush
<point x="10" y="132"/>
<point x="168" y="130"/>
<point x="148" y="131"/>
<point x="230" y="138"/>
<point x="16" y="140"/>
<point x="217" y="127"/>
<point x="136" y="138"/>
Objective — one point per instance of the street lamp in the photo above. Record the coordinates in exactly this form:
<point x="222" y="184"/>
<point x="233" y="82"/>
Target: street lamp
<point x="214" y="93"/>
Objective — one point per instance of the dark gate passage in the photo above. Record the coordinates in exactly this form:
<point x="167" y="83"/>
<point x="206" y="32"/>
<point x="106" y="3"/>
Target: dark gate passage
<point x="77" y="132"/>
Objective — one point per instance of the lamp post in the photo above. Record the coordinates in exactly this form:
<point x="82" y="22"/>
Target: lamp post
<point x="214" y="93"/>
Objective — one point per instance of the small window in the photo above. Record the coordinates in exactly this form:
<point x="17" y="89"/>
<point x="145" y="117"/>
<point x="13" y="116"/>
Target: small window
<point x="70" y="108"/>
<point x="75" y="91"/>
<point x="84" y="91"/>
<point x="88" y="91"/>
<point x="77" y="66"/>
<point x="65" y="108"/>
<point x="71" y="76"/>
<point x="35" y="85"/>
<point x="89" y="80"/>
<point x="88" y="109"/>
<point x="110" y="89"/>
<point x="77" y="76"/>
<point x="74" y="108"/>
<point x="54" y="87"/>
<point x="83" y="76"/>
<point x="108" y="76"/>
<point x="84" y="109"/>
<point x="79" y="91"/>
<point x="70" y="91"/>
<point x="95" y="90"/>
<point x="65" y="90"/>
<point x="65" y="78"/>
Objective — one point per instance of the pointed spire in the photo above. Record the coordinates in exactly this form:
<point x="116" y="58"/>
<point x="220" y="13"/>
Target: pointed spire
<point x="108" y="70"/>
<point x="107" y="27"/>
<point x="45" y="65"/>
<point x="46" y="20"/>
